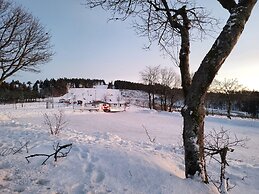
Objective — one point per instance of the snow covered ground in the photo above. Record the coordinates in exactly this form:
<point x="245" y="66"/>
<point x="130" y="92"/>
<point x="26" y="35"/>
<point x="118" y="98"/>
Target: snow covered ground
<point x="111" y="153"/>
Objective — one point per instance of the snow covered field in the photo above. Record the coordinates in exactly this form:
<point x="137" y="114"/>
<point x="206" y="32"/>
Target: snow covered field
<point x="111" y="153"/>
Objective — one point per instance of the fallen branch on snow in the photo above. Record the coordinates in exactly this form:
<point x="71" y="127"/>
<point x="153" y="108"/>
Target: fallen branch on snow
<point x="150" y="139"/>
<point x="14" y="150"/>
<point x="57" y="154"/>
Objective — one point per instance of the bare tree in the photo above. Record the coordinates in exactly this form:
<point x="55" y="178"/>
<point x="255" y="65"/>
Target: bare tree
<point x="219" y="143"/>
<point x="24" y="43"/>
<point x="228" y="87"/>
<point x="170" y="23"/>
<point x="169" y="79"/>
<point x="55" y="123"/>
<point x="150" y="76"/>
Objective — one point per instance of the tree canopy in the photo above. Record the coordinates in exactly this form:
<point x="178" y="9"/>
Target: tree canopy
<point x="24" y="43"/>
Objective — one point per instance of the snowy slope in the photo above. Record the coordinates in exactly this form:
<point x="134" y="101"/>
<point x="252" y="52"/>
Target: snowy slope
<point x="111" y="153"/>
<point x="88" y="95"/>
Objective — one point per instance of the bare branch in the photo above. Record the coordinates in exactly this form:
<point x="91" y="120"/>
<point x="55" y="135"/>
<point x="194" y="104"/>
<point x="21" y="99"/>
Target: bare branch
<point x="56" y="123"/>
<point x="160" y="21"/>
<point x="25" y="145"/>
<point x="24" y="43"/>
<point x="15" y="149"/>
<point x="220" y="143"/>
<point x="150" y="139"/>
<point x="57" y="154"/>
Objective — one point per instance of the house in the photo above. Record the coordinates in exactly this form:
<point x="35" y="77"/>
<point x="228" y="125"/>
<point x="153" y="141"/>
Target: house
<point x="98" y="98"/>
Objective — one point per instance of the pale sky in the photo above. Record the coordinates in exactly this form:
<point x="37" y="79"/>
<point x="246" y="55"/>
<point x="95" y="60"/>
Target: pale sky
<point x="86" y="45"/>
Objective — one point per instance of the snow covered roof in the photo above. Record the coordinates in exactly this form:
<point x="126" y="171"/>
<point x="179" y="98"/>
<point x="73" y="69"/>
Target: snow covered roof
<point x="88" y="95"/>
<point x="101" y="87"/>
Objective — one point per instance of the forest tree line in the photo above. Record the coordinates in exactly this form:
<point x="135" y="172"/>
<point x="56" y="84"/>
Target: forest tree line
<point x="165" y="97"/>
<point x="15" y="91"/>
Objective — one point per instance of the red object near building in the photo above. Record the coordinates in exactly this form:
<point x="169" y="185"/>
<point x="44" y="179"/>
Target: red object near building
<point x="106" y="107"/>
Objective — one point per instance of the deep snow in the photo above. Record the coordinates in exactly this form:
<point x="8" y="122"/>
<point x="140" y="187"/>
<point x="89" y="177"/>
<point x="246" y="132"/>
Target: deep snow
<point x="111" y="152"/>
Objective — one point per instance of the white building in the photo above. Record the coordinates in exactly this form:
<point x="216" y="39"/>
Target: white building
<point x="95" y="98"/>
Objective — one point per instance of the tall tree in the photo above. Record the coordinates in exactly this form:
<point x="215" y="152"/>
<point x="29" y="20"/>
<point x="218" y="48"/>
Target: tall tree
<point x="169" y="79"/>
<point x="150" y="76"/>
<point x="170" y="22"/>
<point x="228" y="87"/>
<point x="24" y="43"/>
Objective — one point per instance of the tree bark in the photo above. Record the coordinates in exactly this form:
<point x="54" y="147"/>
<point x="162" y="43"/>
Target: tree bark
<point x="193" y="112"/>
<point x="220" y="50"/>
<point x="193" y="138"/>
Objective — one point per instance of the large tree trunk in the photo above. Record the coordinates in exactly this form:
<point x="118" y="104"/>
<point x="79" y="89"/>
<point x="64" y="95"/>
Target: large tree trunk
<point x="193" y="137"/>
<point x="195" y="90"/>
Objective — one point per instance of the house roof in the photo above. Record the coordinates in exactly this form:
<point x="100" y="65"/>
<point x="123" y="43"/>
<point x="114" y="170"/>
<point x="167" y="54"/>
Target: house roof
<point x="89" y="95"/>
